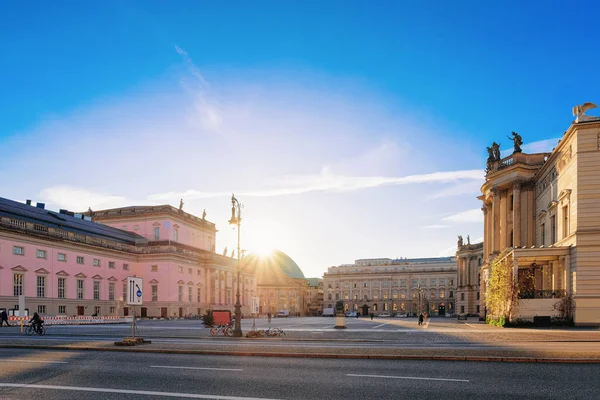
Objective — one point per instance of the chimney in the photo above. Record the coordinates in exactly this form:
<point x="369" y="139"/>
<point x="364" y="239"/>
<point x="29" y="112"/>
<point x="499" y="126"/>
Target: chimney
<point x="41" y="205"/>
<point x="28" y="202"/>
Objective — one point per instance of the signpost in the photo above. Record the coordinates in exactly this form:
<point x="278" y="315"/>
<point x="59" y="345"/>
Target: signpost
<point x="135" y="297"/>
<point x="255" y="310"/>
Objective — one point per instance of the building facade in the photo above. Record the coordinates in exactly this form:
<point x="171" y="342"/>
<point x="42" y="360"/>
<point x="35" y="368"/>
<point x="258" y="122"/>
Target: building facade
<point x="469" y="258"/>
<point x="75" y="264"/>
<point x="542" y="219"/>
<point x="396" y="286"/>
<point x="314" y="296"/>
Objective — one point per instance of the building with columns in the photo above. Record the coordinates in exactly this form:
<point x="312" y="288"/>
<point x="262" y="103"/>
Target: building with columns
<point x="469" y="258"/>
<point x="542" y="217"/>
<point x="396" y="286"/>
<point x="77" y="264"/>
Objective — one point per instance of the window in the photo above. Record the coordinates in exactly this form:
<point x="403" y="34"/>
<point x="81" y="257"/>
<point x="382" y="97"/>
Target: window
<point x="154" y="268"/>
<point x="41" y="254"/>
<point x="415" y="283"/>
<point x="403" y="283"/>
<point x="395" y="283"/>
<point x="41" y="309"/>
<point x="176" y="234"/>
<point x="156" y="232"/>
<point x="553" y="229"/>
<point x="154" y="289"/>
<point x="355" y="297"/>
<point x="385" y="296"/>
<point x="477" y="295"/>
<point x="385" y="284"/>
<point x="180" y="293"/>
<point x="190" y="294"/>
<point x="180" y="269"/>
<point x="462" y="309"/>
<point x="451" y="295"/>
<point x="189" y="271"/>
<point x="124" y="290"/>
<point x="337" y="296"/>
<point x="365" y="285"/>
<point x="17" y="284"/>
<point x="442" y="282"/>
<point x="510" y="203"/>
<point x="346" y="296"/>
<point x="96" y="262"/>
<point x="111" y="291"/>
<point x="80" y="260"/>
<point x="451" y="282"/>
<point x="543" y="234"/>
<point x="19" y="250"/>
<point x="423" y="282"/>
<point x="478" y="309"/>
<point x="80" y="288"/>
<point x="111" y="264"/>
<point x="432" y="282"/>
<point x="329" y="296"/>
<point x="462" y="297"/>
<point x="125" y="267"/>
<point x="97" y="310"/>
<point x="395" y="295"/>
<point x="62" y="309"/>
<point x="198" y="272"/>
<point x="41" y="286"/>
<point x="414" y="295"/>
<point x="96" y="290"/>
<point x="112" y="310"/>
<point x="61" y="257"/>
<point x="355" y="285"/>
<point x="385" y="307"/>
<point x="442" y="294"/>
<point x="198" y="294"/>
<point x="565" y="221"/>
<point x="61" y="287"/>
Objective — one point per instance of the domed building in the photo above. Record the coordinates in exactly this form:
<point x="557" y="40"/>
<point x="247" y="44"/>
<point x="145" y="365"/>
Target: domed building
<point x="281" y="284"/>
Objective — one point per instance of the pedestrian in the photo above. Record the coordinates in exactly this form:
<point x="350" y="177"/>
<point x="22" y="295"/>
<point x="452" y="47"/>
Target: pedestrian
<point x="421" y="319"/>
<point x="4" y="318"/>
<point x="357" y="315"/>
<point x="269" y="315"/>
<point x="372" y="315"/>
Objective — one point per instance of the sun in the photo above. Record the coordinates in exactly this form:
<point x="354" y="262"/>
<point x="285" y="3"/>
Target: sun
<point x="263" y="250"/>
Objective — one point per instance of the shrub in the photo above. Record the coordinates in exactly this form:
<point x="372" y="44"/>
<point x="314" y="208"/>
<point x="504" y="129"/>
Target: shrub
<point x="208" y="319"/>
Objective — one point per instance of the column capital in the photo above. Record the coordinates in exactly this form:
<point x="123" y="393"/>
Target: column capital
<point x="517" y="185"/>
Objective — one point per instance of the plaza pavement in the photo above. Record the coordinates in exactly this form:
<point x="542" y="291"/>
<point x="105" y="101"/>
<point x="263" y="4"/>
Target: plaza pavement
<point x="438" y="339"/>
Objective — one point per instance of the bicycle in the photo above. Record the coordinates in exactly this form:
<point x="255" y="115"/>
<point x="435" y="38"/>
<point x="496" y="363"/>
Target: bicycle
<point x="221" y="330"/>
<point x="275" y="332"/>
<point x="30" y="330"/>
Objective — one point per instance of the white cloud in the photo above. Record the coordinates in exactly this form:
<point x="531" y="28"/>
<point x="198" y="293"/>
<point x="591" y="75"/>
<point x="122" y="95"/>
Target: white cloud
<point x="471" y="188"/>
<point x="435" y="226"/>
<point x="474" y="215"/>
<point x="76" y="199"/>
<point x="179" y="50"/>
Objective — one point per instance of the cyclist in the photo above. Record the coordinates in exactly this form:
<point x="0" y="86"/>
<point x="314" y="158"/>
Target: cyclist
<point x="36" y="322"/>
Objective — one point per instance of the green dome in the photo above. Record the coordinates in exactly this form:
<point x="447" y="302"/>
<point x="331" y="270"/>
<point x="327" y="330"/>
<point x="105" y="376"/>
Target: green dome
<point x="275" y="262"/>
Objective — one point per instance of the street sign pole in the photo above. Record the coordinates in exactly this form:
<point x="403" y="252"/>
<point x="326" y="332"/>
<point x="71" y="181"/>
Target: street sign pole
<point x="134" y="298"/>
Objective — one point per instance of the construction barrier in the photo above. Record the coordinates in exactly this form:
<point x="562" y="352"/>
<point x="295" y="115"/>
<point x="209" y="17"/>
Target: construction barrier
<point x="78" y="320"/>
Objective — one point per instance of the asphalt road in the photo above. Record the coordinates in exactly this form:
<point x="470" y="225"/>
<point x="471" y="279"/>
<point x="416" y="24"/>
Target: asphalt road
<point x="27" y="374"/>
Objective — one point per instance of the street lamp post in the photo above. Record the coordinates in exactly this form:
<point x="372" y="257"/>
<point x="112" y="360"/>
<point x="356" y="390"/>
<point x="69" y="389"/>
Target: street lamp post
<point x="236" y="220"/>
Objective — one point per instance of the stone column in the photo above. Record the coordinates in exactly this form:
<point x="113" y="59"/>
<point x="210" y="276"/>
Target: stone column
<point x="486" y="228"/>
<point x="554" y="269"/>
<point x="495" y="239"/>
<point x="567" y="273"/>
<point x="503" y="217"/>
<point x="517" y="214"/>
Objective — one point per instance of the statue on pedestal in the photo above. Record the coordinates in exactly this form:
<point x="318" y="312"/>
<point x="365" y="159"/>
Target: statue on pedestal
<point x="181" y="205"/>
<point x="496" y="151"/>
<point x="225" y="251"/>
<point x="204" y="214"/>
<point x="460" y="241"/>
<point x="579" y="112"/>
<point x="468" y="239"/>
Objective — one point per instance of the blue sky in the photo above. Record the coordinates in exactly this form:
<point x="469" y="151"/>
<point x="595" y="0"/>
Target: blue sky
<point x="349" y="129"/>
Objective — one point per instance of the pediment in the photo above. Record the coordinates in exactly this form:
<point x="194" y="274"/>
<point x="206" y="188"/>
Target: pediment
<point x="1" y="267"/>
<point x="112" y="279"/>
<point x="97" y="277"/>
<point x="62" y="273"/>
<point x="564" y="193"/>
<point x="198" y="284"/>
<point x="42" y="271"/>
<point x="124" y="280"/>
<point x="19" y="268"/>
<point x="81" y="275"/>
<point x="190" y="283"/>
<point x="153" y="281"/>
<point x="542" y="214"/>
<point x="552" y="204"/>
<point x="181" y="282"/>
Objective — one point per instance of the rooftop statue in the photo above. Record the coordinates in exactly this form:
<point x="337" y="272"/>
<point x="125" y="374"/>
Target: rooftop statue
<point x="518" y="141"/>
<point x="496" y="151"/>
<point x="181" y="204"/>
<point x="460" y="240"/>
<point x="579" y="112"/>
<point x="204" y="214"/>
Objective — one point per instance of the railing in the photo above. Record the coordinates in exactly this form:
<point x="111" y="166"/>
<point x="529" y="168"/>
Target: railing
<point x="543" y="294"/>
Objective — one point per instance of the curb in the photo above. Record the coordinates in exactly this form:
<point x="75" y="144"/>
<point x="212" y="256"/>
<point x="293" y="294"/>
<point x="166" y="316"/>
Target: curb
<point x="315" y="355"/>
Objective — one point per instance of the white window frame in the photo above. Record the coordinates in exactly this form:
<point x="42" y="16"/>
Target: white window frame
<point x="41" y="254"/>
<point x="19" y="250"/>
<point x="80" y="289"/>
<point x="80" y="260"/>
<point x="96" y="290"/>
<point x="18" y="284"/>
<point x="61" y="290"/>
<point x="96" y="262"/>
<point x="40" y="281"/>
<point x="62" y="257"/>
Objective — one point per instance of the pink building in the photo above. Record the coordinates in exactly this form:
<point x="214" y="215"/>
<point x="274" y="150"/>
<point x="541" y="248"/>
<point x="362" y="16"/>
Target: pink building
<point x="77" y="264"/>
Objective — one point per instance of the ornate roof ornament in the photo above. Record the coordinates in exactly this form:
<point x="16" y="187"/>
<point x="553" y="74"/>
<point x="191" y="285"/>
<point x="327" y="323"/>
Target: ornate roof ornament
<point x="579" y="112"/>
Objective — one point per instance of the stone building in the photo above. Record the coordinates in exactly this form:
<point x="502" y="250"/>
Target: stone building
<point x="469" y="258"/>
<point x="542" y="218"/>
<point x="314" y="296"/>
<point x="74" y="264"/>
<point x="281" y="284"/>
<point x="395" y="286"/>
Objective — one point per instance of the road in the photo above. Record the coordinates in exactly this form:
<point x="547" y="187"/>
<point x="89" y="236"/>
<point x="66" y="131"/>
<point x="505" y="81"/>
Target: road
<point x="27" y="374"/>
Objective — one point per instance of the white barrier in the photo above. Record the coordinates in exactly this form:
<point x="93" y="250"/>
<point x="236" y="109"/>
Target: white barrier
<point x="78" y="320"/>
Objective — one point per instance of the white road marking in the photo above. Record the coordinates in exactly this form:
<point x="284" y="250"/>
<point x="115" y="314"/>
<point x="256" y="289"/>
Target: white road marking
<point x="378" y="326"/>
<point x="126" y="391"/>
<point x="36" y="361"/>
<point x="472" y="326"/>
<point x="408" y="377"/>
<point x="206" y="368"/>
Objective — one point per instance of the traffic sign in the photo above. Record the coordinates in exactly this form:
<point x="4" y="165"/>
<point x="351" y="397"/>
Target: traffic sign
<point x="255" y="305"/>
<point x="134" y="291"/>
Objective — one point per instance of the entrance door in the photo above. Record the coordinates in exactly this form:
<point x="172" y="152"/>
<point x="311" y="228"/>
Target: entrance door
<point x="80" y="310"/>
<point x="144" y="312"/>
<point x="163" y="312"/>
<point x="442" y="309"/>
<point x="125" y="311"/>
<point x="365" y="310"/>
<point x="180" y="312"/>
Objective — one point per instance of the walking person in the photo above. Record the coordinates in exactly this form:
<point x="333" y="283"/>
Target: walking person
<point x="372" y="315"/>
<point x="421" y="319"/>
<point x="4" y="318"/>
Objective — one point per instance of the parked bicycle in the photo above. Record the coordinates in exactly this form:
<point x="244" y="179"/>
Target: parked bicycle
<point x="224" y="330"/>
<point x="274" y="332"/>
<point x="33" y="328"/>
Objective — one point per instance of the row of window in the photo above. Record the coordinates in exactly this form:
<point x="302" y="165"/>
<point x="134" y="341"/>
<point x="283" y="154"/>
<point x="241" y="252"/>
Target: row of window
<point x="20" y="251"/>
<point x="401" y="283"/>
<point x="399" y="307"/>
<point x="41" y="309"/>
<point x="190" y="294"/>
<point x="385" y="296"/>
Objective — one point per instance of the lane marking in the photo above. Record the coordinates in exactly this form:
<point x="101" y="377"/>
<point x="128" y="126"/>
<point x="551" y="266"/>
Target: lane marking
<point x="378" y="326"/>
<point x="204" y="368"/>
<point x="409" y="377"/>
<point x="126" y="391"/>
<point x="36" y="361"/>
<point x="472" y="326"/>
